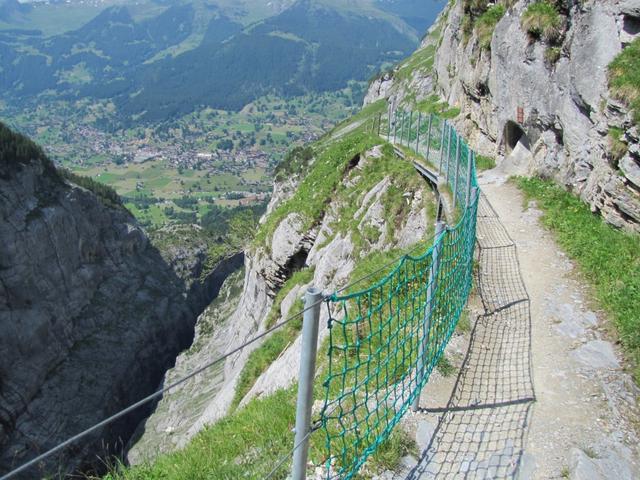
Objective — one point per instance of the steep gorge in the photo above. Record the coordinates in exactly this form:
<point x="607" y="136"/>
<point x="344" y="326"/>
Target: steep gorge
<point x="351" y="204"/>
<point x="91" y="315"/>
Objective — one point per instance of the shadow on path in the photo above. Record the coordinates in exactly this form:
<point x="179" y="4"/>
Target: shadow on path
<point x="481" y="431"/>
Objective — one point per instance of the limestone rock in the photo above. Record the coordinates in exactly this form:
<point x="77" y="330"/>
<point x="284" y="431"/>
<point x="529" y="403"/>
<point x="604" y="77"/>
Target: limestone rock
<point x="91" y="316"/>
<point x="567" y="108"/>
<point x="631" y="169"/>
<point x="596" y="354"/>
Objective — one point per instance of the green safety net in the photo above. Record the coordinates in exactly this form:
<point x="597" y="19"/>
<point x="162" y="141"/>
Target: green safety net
<point x="385" y="340"/>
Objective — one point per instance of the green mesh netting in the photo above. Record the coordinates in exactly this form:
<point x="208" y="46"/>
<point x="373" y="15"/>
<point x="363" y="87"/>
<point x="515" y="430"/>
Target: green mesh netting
<point x="384" y="341"/>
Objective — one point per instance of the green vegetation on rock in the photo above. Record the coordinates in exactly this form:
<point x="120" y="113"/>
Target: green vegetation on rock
<point x="624" y="77"/>
<point x="485" y="163"/>
<point x="105" y="192"/>
<point x="17" y="149"/>
<point x="607" y="257"/>
<point x="552" y="54"/>
<point x="481" y="17"/>
<point x="314" y="192"/>
<point x="433" y="104"/>
<point x="293" y="163"/>
<point x="263" y="356"/>
<point x="245" y="444"/>
<point x="486" y="24"/>
<point x="617" y="147"/>
<point x="542" y="20"/>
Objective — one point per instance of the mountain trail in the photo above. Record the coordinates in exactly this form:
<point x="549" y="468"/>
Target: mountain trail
<point x="541" y="391"/>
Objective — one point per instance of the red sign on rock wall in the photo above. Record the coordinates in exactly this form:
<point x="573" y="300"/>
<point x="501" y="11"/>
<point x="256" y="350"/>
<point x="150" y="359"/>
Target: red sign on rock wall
<point x="520" y="114"/>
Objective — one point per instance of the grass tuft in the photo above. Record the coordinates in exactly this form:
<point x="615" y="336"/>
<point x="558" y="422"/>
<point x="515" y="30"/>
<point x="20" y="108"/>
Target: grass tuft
<point x="445" y="367"/>
<point x="552" y="55"/>
<point x="617" y="147"/>
<point x="624" y="77"/>
<point x="390" y="453"/>
<point x="486" y="24"/>
<point x="542" y="20"/>
<point x="485" y="163"/>
<point x="608" y="258"/>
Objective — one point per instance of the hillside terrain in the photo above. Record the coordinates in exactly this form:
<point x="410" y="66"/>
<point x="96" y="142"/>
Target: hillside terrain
<point x="186" y="107"/>
<point x="311" y="46"/>
<point x="547" y="347"/>
<point x="543" y="96"/>
<point x="70" y="249"/>
<point x="434" y="79"/>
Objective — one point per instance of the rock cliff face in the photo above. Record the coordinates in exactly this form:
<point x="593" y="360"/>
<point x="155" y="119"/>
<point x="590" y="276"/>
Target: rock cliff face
<point x="91" y="316"/>
<point x="322" y="247"/>
<point x="556" y="115"/>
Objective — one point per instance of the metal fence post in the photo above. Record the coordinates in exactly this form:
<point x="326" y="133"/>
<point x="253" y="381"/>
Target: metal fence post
<point x="379" y="122"/>
<point x="395" y="126"/>
<point x="418" y="133"/>
<point x="443" y="127"/>
<point x="428" y="310"/>
<point x="455" y="180"/>
<point x="469" y="167"/>
<point x="404" y="116"/>
<point x="409" y="128"/>
<point x="429" y="136"/>
<point x="389" y="125"/>
<point x="309" y="349"/>
<point x="449" y="151"/>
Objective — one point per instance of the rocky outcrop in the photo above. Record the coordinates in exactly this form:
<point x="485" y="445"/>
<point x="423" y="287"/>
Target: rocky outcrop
<point x="239" y="319"/>
<point x="186" y="249"/>
<point x="169" y="427"/>
<point x="331" y="252"/>
<point x="561" y="112"/>
<point x="91" y="316"/>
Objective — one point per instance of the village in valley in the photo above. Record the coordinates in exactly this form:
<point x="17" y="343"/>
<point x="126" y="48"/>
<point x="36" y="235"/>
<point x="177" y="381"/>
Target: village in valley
<point x="174" y="172"/>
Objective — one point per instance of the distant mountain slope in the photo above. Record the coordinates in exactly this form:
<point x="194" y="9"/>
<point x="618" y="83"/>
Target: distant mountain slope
<point x="106" y="47"/>
<point x="186" y="57"/>
<point x="419" y="14"/>
<point x="12" y="10"/>
<point x="308" y="47"/>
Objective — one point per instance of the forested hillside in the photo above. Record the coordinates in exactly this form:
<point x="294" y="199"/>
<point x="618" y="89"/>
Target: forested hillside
<point x="169" y="64"/>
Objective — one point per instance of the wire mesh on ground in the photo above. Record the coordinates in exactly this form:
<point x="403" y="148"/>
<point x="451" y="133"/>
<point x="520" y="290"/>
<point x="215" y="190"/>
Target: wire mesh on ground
<point x="385" y="340"/>
<point x="481" y="431"/>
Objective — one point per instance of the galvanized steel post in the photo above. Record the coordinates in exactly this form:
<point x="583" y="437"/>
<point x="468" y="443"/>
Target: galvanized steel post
<point x="418" y="133"/>
<point x="409" y="127"/>
<point x="429" y="136"/>
<point x="443" y="127"/>
<point x="428" y="311"/>
<point x="395" y="126"/>
<point x="309" y="347"/>
<point x="449" y="151"/>
<point x="389" y="125"/>
<point x="455" y="180"/>
<point x="469" y="167"/>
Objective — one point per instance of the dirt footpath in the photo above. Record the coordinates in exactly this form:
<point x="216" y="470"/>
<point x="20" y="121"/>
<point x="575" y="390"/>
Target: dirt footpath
<point x="541" y="391"/>
<point x="584" y="422"/>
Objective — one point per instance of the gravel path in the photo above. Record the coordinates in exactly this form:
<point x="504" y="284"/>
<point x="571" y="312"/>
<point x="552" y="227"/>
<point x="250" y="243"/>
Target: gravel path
<point x="541" y="392"/>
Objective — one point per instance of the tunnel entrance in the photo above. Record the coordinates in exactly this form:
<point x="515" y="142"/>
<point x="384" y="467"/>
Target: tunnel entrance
<point x="513" y="133"/>
<point x="631" y="25"/>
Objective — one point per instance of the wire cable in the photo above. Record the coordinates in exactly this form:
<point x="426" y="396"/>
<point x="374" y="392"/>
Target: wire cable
<point x="284" y="458"/>
<point x="317" y="425"/>
<point x="151" y="397"/>
<point x="385" y="266"/>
